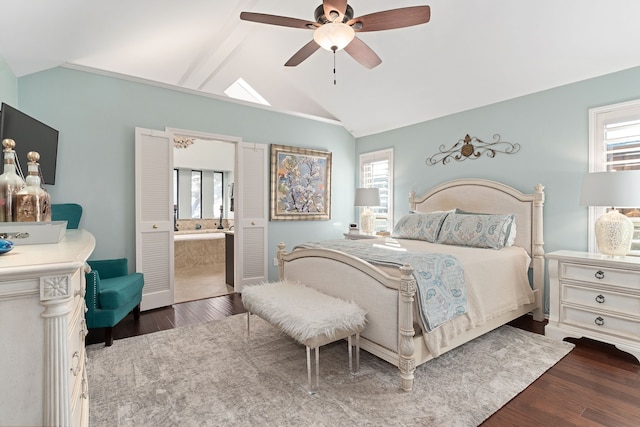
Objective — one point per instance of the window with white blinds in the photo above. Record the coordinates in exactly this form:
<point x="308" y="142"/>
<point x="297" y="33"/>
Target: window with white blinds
<point x="376" y="170"/>
<point x="615" y="145"/>
<point x="622" y="145"/>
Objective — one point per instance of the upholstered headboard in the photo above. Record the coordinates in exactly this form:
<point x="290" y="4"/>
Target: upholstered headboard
<point x="484" y="196"/>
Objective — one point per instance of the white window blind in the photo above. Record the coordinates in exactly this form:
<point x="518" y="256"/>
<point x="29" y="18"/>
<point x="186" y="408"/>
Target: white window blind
<point x="622" y="145"/>
<point x="376" y="170"/>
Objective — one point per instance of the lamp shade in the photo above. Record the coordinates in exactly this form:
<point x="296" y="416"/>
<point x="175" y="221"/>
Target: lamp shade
<point x="619" y="189"/>
<point x="333" y="35"/>
<point x="367" y="197"/>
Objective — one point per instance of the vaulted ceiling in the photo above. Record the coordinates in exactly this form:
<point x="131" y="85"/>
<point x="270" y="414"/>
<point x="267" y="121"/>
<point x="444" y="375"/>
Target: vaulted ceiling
<point x="471" y="53"/>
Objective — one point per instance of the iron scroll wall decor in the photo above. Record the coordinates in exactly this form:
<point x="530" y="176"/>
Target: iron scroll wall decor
<point x="472" y="148"/>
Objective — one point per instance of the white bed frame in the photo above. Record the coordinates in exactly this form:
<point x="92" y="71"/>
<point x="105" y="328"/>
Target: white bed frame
<point x="342" y="275"/>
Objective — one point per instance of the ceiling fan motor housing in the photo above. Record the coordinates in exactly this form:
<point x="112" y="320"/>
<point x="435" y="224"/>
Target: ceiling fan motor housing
<point x="322" y="19"/>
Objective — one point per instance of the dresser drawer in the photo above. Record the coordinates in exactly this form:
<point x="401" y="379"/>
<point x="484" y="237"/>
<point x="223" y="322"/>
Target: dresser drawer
<point x="601" y="275"/>
<point x="603" y="323"/>
<point x="600" y="299"/>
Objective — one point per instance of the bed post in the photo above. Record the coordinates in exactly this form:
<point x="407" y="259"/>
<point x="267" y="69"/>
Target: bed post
<point x="281" y="251"/>
<point x="406" y="347"/>
<point x="538" y="252"/>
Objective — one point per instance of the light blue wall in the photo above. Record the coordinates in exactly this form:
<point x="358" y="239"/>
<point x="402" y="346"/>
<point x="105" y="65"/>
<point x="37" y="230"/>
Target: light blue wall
<point x="8" y="84"/>
<point x="552" y="129"/>
<point x="96" y="116"/>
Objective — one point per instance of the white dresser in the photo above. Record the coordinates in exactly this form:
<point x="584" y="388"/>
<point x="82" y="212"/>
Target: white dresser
<point x="595" y="296"/>
<point x="42" y="329"/>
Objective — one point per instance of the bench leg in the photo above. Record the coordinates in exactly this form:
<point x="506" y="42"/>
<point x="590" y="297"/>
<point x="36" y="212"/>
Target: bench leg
<point x="313" y="383"/>
<point x="248" y="326"/>
<point x="356" y="338"/>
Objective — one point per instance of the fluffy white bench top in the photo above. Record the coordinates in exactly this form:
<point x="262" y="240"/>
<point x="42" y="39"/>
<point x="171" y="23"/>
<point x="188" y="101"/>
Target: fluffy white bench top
<point x="304" y="313"/>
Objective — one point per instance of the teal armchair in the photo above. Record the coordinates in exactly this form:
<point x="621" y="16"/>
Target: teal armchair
<point x="111" y="294"/>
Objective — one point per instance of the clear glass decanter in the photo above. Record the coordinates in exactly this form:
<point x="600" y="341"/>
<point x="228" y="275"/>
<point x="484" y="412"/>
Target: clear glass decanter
<point x="32" y="202"/>
<point x="10" y="181"/>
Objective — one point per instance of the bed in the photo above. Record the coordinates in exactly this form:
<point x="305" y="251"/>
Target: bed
<point x="494" y="293"/>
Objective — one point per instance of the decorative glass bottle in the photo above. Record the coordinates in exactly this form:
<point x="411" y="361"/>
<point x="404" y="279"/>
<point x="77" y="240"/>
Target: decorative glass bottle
<point x="10" y="181"/>
<point x="32" y="202"/>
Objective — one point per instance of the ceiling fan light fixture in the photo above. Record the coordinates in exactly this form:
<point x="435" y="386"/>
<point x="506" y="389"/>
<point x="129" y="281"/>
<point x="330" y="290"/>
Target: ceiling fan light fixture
<point x="334" y="36"/>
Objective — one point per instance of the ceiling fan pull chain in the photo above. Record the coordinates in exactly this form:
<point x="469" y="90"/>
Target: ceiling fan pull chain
<point x="334" y="65"/>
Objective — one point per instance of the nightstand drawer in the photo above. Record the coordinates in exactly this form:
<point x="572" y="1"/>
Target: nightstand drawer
<point x="611" y="301"/>
<point x="601" y="275"/>
<point x="604" y="323"/>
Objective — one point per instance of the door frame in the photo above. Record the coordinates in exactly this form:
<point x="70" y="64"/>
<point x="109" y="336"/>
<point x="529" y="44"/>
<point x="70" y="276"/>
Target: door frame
<point x="238" y="191"/>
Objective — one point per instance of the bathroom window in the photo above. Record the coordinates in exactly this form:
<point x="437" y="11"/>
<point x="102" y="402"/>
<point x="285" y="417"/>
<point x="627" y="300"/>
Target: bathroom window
<point x="218" y="193"/>
<point x="175" y="188"/>
<point x="196" y="194"/>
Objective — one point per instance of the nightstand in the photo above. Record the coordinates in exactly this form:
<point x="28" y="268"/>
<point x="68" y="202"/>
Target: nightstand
<point x="354" y="236"/>
<point x="595" y="296"/>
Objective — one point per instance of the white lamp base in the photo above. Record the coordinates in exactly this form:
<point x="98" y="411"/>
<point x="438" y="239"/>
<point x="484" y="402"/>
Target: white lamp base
<point x="367" y="221"/>
<point x="613" y="233"/>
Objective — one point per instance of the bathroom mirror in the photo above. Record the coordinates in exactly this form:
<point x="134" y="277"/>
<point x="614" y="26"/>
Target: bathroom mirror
<point x="207" y="165"/>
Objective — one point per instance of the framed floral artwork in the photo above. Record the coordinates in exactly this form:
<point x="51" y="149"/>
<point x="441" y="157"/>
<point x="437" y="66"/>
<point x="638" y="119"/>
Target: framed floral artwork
<point x="300" y="184"/>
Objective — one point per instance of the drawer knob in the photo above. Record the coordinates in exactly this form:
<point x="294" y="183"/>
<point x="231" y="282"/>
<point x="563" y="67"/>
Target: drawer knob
<point x="600" y="299"/>
<point x="599" y="321"/>
<point x="599" y="274"/>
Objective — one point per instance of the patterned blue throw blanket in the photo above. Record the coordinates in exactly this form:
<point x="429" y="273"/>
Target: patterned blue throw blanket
<point x="439" y="277"/>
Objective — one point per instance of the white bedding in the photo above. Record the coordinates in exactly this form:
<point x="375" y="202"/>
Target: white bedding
<point x="496" y="282"/>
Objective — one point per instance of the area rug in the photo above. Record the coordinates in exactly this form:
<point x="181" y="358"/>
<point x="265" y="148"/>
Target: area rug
<point x="208" y="374"/>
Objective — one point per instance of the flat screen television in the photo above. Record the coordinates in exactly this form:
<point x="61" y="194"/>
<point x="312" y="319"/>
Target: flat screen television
<point x="30" y="135"/>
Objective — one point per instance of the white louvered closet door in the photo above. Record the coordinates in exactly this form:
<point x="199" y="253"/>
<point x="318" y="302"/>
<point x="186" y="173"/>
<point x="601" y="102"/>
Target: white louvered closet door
<point x="154" y="220"/>
<point x="251" y="220"/>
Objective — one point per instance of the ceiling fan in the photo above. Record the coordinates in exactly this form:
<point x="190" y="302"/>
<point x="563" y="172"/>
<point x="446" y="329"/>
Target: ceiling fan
<point x="335" y="28"/>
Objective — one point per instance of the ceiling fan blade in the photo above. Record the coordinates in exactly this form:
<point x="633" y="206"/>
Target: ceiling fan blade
<point x="282" y="21"/>
<point x="338" y="5"/>
<point x="305" y="52"/>
<point x="390" y="19"/>
<point x="363" y="53"/>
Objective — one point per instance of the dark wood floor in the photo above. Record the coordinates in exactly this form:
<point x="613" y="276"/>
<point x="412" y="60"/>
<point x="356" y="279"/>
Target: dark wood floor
<point x="594" y="385"/>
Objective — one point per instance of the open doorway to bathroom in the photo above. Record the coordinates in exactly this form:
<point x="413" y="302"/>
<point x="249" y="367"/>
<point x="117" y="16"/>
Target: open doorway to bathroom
<point x="203" y="214"/>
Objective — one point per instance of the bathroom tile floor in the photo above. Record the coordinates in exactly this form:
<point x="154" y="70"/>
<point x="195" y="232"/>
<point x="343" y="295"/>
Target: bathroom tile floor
<point x="198" y="283"/>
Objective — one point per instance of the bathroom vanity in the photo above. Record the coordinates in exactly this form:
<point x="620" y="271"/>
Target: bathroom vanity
<point x="228" y="257"/>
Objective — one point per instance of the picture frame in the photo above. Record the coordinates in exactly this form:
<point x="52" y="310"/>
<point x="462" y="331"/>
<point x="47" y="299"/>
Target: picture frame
<point x="300" y="184"/>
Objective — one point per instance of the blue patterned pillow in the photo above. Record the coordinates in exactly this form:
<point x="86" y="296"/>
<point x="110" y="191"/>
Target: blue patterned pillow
<point x="476" y="230"/>
<point x="511" y="229"/>
<point x="419" y="226"/>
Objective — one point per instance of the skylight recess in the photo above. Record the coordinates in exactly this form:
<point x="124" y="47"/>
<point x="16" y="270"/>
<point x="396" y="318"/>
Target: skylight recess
<point x="241" y="90"/>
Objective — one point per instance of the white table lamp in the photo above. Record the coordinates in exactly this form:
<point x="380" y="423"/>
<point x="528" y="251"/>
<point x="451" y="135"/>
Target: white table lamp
<point x="615" y="189"/>
<point x="367" y="197"/>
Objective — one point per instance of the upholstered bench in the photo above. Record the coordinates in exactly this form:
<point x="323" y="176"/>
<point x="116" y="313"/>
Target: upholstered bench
<point x="308" y="316"/>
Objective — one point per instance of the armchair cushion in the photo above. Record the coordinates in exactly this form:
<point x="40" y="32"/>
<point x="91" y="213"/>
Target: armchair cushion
<point x="118" y="291"/>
